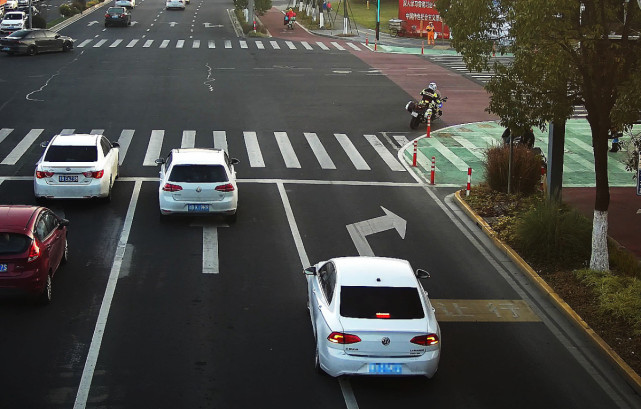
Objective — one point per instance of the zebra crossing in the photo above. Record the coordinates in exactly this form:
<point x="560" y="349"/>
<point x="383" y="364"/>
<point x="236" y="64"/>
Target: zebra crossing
<point x="261" y="45"/>
<point x="329" y="150"/>
<point x="455" y="63"/>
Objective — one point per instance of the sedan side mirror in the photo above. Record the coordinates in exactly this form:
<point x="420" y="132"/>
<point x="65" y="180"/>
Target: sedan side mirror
<point x="115" y="145"/>
<point x="44" y="144"/>
<point x="63" y="222"/>
<point x="310" y="271"/>
<point x="160" y="161"/>
<point x="234" y="161"/>
<point x="420" y="273"/>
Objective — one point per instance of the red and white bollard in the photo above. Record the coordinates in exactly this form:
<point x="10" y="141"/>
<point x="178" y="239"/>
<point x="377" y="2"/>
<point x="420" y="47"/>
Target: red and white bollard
<point x="429" y="123"/>
<point x="415" y="152"/>
<point x="366" y="40"/>
<point x="469" y="181"/>
<point x="254" y="26"/>
<point x="422" y="47"/>
<point x="433" y="170"/>
<point x="375" y="44"/>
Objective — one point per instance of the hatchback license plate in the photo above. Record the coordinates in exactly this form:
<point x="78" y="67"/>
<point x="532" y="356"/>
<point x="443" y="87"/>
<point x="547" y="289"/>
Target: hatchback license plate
<point x="392" y="369"/>
<point x="197" y="207"/>
<point x="3" y="268"/>
<point x="63" y="178"/>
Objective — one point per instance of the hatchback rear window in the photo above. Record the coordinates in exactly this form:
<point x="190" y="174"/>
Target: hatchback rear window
<point x="198" y="174"/>
<point x="381" y="302"/>
<point x="13" y="243"/>
<point x="59" y="153"/>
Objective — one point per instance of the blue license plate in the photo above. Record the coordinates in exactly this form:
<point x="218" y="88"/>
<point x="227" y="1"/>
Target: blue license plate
<point x="3" y="268"/>
<point x="197" y="207"/>
<point x="391" y="369"/>
<point x="6" y="49"/>
<point x="63" y="178"/>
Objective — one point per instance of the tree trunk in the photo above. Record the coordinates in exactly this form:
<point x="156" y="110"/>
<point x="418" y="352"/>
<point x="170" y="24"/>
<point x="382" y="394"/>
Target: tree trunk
<point x="600" y="259"/>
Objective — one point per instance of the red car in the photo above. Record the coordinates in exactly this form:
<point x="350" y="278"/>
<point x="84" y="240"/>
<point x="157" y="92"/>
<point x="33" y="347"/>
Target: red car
<point x="33" y="244"/>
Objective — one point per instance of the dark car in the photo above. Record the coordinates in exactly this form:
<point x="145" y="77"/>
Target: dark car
<point x="117" y="15"/>
<point x="33" y="244"/>
<point x="34" y="41"/>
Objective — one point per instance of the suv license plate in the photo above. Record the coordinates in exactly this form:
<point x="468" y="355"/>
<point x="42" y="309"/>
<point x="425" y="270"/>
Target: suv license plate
<point x="391" y="369"/>
<point x="63" y="178"/>
<point x="3" y="268"/>
<point x="197" y="207"/>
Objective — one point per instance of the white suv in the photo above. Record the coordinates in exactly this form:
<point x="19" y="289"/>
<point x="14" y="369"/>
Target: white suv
<point x="198" y="181"/>
<point x="13" y="21"/>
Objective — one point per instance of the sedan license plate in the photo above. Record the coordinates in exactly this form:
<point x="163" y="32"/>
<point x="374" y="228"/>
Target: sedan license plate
<point x="115" y="16"/>
<point x="63" y="178"/>
<point x="414" y="114"/>
<point x="3" y="268"/>
<point x="391" y="369"/>
<point x="197" y="207"/>
<point x="6" y="49"/>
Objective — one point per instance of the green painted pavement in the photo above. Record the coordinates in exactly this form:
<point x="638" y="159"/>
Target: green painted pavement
<point x="458" y="147"/>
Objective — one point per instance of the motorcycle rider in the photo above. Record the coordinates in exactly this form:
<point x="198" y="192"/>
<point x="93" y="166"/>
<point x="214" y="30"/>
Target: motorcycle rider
<point x="429" y="96"/>
<point x="290" y="16"/>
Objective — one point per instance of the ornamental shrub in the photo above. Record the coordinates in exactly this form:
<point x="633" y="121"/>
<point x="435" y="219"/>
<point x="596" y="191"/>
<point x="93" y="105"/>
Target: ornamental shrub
<point x="525" y="172"/>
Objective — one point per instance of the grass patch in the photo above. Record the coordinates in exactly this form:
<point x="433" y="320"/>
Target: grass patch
<point x="55" y="22"/>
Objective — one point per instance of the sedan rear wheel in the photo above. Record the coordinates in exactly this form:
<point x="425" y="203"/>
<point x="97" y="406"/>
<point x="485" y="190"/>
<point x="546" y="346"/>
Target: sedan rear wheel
<point x="32" y="50"/>
<point x="66" y="46"/>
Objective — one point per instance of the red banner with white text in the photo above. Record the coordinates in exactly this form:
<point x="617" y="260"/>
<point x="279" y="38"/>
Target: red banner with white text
<point x="418" y="13"/>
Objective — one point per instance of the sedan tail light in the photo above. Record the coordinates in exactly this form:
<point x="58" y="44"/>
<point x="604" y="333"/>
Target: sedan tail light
<point x="225" y="188"/>
<point x="343" y="338"/>
<point x="34" y="251"/>
<point x="96" y="175"/>
<point x="41" y="174"/>
<point x="171" y="188"/>
<point x="425" y="340"/>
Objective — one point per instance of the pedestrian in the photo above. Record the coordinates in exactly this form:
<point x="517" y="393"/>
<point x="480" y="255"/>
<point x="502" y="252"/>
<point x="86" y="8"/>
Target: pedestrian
<point x="329" y="7"/>
<point x="615" y="134"/>
<point x="430" y="33"/>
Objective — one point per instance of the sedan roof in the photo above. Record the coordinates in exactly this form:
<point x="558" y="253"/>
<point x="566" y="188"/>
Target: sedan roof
<point x="75" y="140"/>
<point x="374" y="272"/>
<point x="198" y="156"/>
<point x="16" y="216"/>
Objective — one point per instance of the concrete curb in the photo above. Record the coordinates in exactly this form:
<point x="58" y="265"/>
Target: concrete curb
<point x="624" y="369"/>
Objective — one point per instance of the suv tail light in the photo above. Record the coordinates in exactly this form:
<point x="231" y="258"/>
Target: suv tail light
<point x="342" y="338"/>
<point x="34" y="251"/>
<point x="96" y="175"/>
<point x="225" y="188"/>
<point x="425" y="340"/>
<point x="171" y="188"/>
<point x="41" y="174"/>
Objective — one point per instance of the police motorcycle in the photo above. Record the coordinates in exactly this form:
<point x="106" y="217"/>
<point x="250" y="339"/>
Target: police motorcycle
<point x="431" y="106"/>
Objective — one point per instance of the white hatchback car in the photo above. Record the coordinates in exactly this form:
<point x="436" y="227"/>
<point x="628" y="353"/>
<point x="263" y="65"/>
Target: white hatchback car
<point x="371" y="316"/>
<point x="130" y="4"/>
<point x="76" y="166"/>
<point x="198" y="181"/>
<point x="175" y="4"/>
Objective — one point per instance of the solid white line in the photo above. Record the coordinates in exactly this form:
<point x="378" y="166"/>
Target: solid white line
<point x="154" y="147"/>
<point x="348" y="393"/>
<point x="293" y="227"/>
<point x="386" y="155"/>
<point x="22" y="147"/>
<point x="210" y="250"/>
<point x="352" y="152"/>
<point x="101" y="322"/>
<point x="189" y="139"/>
<point x="253" y="150"/>
<point x="287" y="150"/>
<point x="220" y="140"/>
<point x="319" y="150"/>
<point x="125" y="139"/>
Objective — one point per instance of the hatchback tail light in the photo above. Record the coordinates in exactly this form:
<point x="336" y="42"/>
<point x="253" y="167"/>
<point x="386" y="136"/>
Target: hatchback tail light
<point x="343" y="338"/>
<point x="96" y="175"/>
<point x="225" y="188"/>
<point x="425" y="340"/>
<point x="40" y="174"/>
<point x="34" y="251"/>
<point x="171" y="188"/>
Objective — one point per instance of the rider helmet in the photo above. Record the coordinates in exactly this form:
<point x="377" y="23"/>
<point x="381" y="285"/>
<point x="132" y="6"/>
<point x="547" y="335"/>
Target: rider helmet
<point x="432" y="87"/>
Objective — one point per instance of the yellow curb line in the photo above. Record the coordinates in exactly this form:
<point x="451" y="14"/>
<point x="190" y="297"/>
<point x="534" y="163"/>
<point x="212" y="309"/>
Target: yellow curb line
<point x="629" y="374"/>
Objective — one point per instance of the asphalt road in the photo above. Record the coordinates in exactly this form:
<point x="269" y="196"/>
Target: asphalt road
<point x="136" y="320"/>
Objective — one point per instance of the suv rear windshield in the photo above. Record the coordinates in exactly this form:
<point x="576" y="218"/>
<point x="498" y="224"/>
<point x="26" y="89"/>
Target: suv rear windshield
<point x="59" y="153"/>
<point x="13" y="243"/>
<point x="198" y="174"/>
<point x="367" y="302"/>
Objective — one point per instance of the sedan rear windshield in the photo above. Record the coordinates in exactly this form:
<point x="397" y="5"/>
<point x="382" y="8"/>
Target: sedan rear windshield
<point x="14" y="16"/>
<point x="198" y="174"/>
<point x="381" y="302"/>
<point x="13" y="243"/>
<point x="59" y="153"/>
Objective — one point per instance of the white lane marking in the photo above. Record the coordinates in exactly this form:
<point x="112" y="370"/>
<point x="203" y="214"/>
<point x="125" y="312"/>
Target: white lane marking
<point x="164" y="44"/>
<point x="211" y="44"/>
<point x="189" y="139"/>
<point x="386" y="155"/>
<point x="220" y="140"/>
<point x="401" y="140"/>
<point x="148" y="44"/>
<point x="22" y="147"/>
<point x="253" y="150"/>
<point x="115" y="43"/>
<point x="352" y="152"/>
<point x="196" y="44"/>
<point x="67" y="131"/>
<point x="275" y="45"/>
<point x="153" y="150"/>
<point x="210" y="250"/>
<point x="227" y="43"/>
<point x="346" y="388"/>
<point x="338" y="46"/>
<point x="4" y="132"/>
<point x="243" y="44"/>
<point x="467" y="144"/>
<point x="259" y="45"/>
<point x="124" y="141"/>
<point x="287" y="150"/>
<point x="290" y="45"/>
<point x="132" y="43"/>
<point x="180" y="43"/>
<point x="354" y="46"/>
<point x="322" y="45"/>
<point x="99" y="43"/>
<point x="306" y="45"/>
<point x="101" y="322"/>
<point x="97" y="132"/>
<point x="321" y="154"/>
<point x="448" y="154"/>
<point x="84" y="43"/>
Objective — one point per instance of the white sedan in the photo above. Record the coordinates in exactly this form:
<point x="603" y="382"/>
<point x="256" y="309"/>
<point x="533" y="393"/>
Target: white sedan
<point x="175" y="4"/>
<point x="198" y="181"/>
<point x="76" y="166"/>
<point x="371" y="316"/>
